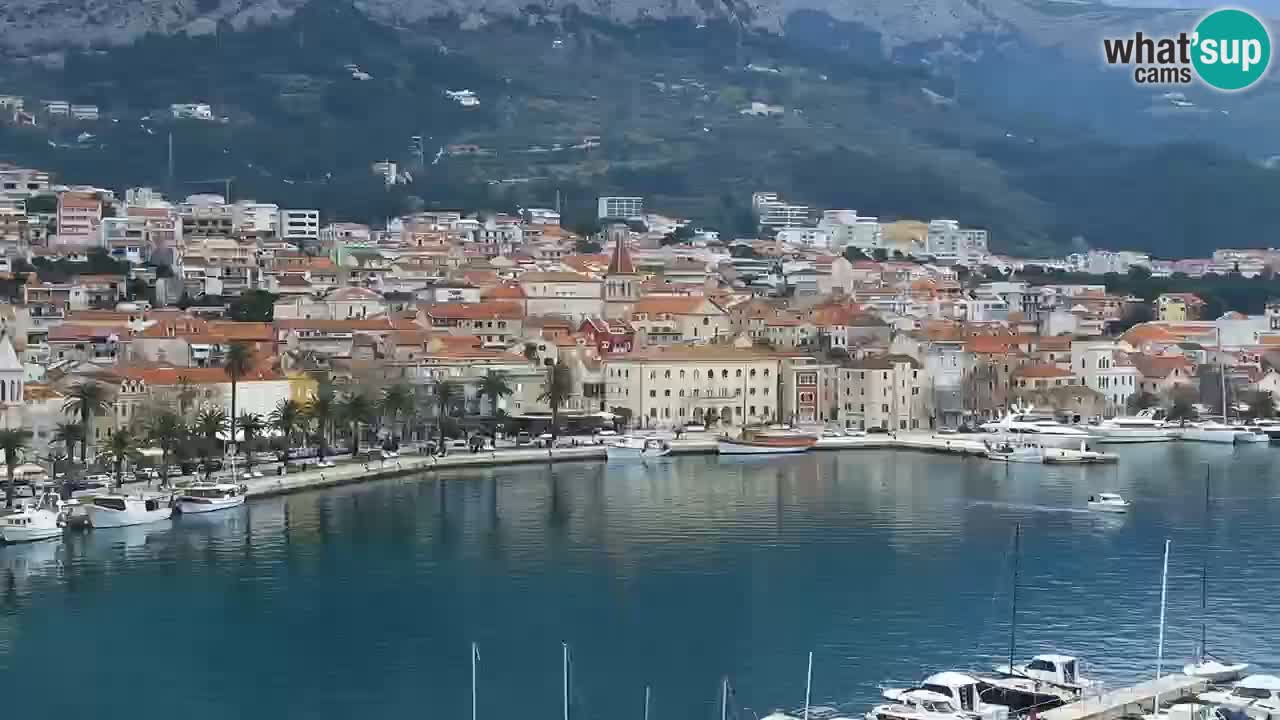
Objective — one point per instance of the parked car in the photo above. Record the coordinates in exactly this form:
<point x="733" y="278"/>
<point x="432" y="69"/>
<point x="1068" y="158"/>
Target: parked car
<point x="524" y="438"/>
<point x="877" y="431"/>
<point x="946" y="431"/>
<point x="695" y="427"/>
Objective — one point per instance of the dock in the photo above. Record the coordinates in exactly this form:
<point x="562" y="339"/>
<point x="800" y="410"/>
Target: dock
<point x="1129" y="701"/>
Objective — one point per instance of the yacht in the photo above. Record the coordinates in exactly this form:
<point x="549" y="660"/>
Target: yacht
<point x="1108" y="503"/>
<point x="38" y="521"/>
<point x="1048" y="431"/>
<point x="1212" y="431"/>
<point x="1255" y="691"/>
<point x="965" y="693"/>
<point x="1270" y="427"/>
<point x="1253" y="434"/>
<point x="917" y="705"/>
<point x="1146" y="426"/>
<point x="1058" y="670"/>
<point x="1215" y="671"/>
<point x="636" y="448"/>
<point x="208" y="497"/>
<point x="117" y="510"/>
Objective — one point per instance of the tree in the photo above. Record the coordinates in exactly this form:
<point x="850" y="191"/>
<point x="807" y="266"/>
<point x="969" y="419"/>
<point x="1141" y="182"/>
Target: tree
<point x="531" y="352"/>
<point x="86" y="399"/>
<point x="622" y="419"/>
<point x="167" y="430"/>
<point x="252" y="426"/>
<point x="1262" y="404"/>
<point x="586" y="246"/>
<point x="494" y="386"/>
<point x="237" y="363"/>
<point x="357" y="410"/>
<point x="253" y="306"/>
<point x="445" y="394"/>
<point x="209" y="424"/>
<point x="1182" y="407"/>
<point x="287" y="418"/>
<point x="556" y="389"/>
<point x="880" y="254"/>
<point x="12" y="443"/>
<point x="322" y="408"/>
<point x="1141" y="401"/>
<point x="122" y="446"/>
<point x="1139" y="273"/>
<point x="187" y="394"/>
<point x="397" y="403"/>
<point x="68" y="433"/>
<point x="1134" y="314"/>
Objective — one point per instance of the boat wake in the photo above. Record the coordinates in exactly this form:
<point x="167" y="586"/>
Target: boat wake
<point x="1029" y="507"/>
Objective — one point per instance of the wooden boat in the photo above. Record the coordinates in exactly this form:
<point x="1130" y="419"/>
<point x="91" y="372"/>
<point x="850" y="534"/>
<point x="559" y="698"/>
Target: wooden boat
<point x="758" y="442"/>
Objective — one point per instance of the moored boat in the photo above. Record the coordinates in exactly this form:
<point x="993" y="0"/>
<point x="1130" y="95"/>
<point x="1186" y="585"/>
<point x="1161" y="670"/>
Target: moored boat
<point x="756" y="442"/>
<point x="1212" y="431"/>
<point x="117" y="510"/>
<point x="208" y="497"/>
<point x="1145" y="427"/>
<point x="637" y="448"/>
<point x="41" y="520"/>
<point x="1008" y="452"/>
<point x="917" y="705"/>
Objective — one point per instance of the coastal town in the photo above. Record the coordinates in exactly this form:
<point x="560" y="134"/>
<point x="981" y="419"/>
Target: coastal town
<point x="825" y="317"/>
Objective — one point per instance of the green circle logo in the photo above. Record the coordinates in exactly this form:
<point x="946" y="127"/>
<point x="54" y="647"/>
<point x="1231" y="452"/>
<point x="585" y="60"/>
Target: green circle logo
<point x="1232" y="49"/>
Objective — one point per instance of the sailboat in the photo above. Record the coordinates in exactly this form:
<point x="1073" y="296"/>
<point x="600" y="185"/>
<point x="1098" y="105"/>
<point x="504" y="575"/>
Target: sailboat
<point x="809" y="712"/>
<point x="1206" y="666"/>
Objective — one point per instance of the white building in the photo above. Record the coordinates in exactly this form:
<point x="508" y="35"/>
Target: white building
<point x="1101" y="262"/>
<point x="300" y="226"/>
<point x="620" y="208"/>
<point x="83" y="112"/>
<point x="255" y="219"/>
<point x="805" y="237"/>
<point x="18" y="184"/>
<point x="773" y="213"/>
<point x="1102" y="366"/>
<point x="848" y="229"/>
<point x="954" y="245"/>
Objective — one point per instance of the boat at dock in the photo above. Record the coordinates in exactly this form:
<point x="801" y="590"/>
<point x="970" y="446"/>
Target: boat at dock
<point x="210" y="497"/>
<point x="1015" y="453"/>
<point x="1260" y="692"/>
<point x="1253" y="434"/>
<point x="41" y="520"/>
<point x="1212" y="431"/>
<point x="637" y="448"/>
<point x="917" y="705"/>
<point x="974" y="699"/>
<point x="1145" y="427"/>
<point x="117" y="510"/>
<point x="1206" y="666"/>
<point x="1022" y="421"/>
<point x="765" y="442"/>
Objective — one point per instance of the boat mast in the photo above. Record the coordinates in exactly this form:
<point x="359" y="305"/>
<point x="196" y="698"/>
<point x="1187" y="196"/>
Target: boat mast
<point x="808" y="685"/>
<point x="1164" y="589"/>
<point x="646" y="702"/>
<point x="1013" y="607"/>
<point x="475" y="655"/>
<point x="1222" y="376"/>
<point x="1204" y="568"/>
<point x="564" y="672"/>
<point x="724" y="698"/>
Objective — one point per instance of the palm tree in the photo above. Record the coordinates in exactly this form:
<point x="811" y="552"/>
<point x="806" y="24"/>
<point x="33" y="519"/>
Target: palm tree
<point x="86" y="399"/>
<point x="252" y="426"/>
<point x="237" y="363"/>
<point x="531" y="352"/>
<point x="68" y="433"/>
<point x="187" y="394"/>
<point x="494" y="386"/>
<point x="287" y="418"/>
<point x="322" y="409"/>
<point x="357" y="410"/>
<point x="12" y="443"/>
<point x="209" y="424"/>
<point x="557" y="388"/>
<point x="122" y="446"/>
<point x="166" y="430"/>
<point x="397" y="401"/>
<point x="445" y="395"/>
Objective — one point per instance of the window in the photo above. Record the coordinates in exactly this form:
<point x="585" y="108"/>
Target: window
<point x="752" y="373"/>
<point x="667" y="375"/>
<point x="724" y="374"/>
<point x="739" y="373"/>
<point x="884" y="408"/>
<point x="681" y="374"/>
<point x="653" y="393"/>
<point x="666" y="393"/>
<point x="915" y="390"/>
<point x="1041" y="665"/>
<point x="682" y="393"/>
<point x="653" y="375"/>
<point x="752" y="391"/>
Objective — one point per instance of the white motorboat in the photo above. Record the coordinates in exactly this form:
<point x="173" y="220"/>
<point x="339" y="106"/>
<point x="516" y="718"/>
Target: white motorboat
<point x="1060" y="670"/>
<point x="1008" y="452"/>
<point x="1144" y="427"/>
<point x="208" y="497"/>
<point x="1077" y="456"/>
<point x="40" y="520"/>
<point x="1108" y="503"/>
<point x="1212" y="431"/>
<point x="1253" y="691"/>
<point x="917" y="705"/>
<point x="1270" y="427"/>
<point x="1214" y="671"/>
<point x="1253" y="434"/>
<point x="965" y="692"/>
<point x="117" y="510"/>
<point x="637" y="448"/>
<point x="1047" y="429"/>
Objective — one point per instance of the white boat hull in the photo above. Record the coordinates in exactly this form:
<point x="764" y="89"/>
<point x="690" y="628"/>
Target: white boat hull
<point x="189" y="506"/>
<point x="1216" y="671"/>
<point x="1116" y="436"/>
<point x="1020" y="455"/>
<point x="104" y="518"/>
<point x="1252" y="437"/>
<point x="1109" y="507"/>
<point x="30" y="534"/>
<point x="1222" y="437"/>
<point x="728" y="448"/>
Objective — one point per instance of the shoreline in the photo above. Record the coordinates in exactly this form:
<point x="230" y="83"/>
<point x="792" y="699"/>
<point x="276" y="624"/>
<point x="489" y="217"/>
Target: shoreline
<point x="350" y="473"/>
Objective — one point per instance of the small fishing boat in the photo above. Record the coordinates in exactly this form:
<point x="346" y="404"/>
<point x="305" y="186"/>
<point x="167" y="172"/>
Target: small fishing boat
<point x="41" y="520"/>
<point x="1008" y="452"/>
<point x="637" y="448"/>
<point x="209" y="497"/>
<point x="758" y="442"/>
<point x="1214" y="671"/>
<point x="1108" y="503"/>
<point x="116" y="510"/>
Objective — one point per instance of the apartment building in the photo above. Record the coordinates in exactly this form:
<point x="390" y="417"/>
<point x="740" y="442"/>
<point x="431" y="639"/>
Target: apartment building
<point x="620" y="208"/>
<point x="18" y="183"/>
<point x="79" y="217"/>
<point x="256" y="220"/>
<point x="300" y="227"/>
<point x="678" y="318"/>
<point x="1102" y="366"/>
<point x="717" y="384"/>
<point x="884" y="391"/>
<point x="774" y="214"/>
<point x="846" y="228"/>
<point x="15" y="229"/>
<point x="206" y="216"/>
<point x="954" y="245"/>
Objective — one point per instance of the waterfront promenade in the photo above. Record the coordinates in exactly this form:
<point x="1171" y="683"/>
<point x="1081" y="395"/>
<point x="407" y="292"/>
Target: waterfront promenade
<point x="356" y="471"/>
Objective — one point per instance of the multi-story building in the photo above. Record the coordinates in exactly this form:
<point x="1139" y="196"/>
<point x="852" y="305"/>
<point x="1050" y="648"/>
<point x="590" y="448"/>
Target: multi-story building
<point x="884" y="391"/>
<point x="1102" y="366"/>
<point x="206" y="216"/>
<point x="848" y="229"/>
<point x="255" y="220"/>
<point x="300" y="227"/>
<point x="665" y="387"/>
<point x="810" y="390"/>
<point x="678" y="318"/>
<point x="18" y="184"/>
<point x="79" y="215"/>
<point x="774" y="214"/>
<point x="620" y="208"/>
<point x="562" y="293"/>
<point x="15" y="229"/>
<point x="1178" y="307"/>
<point x="952" y="244"/>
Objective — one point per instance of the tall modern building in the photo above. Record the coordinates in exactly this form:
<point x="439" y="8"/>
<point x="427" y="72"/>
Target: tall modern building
<point x="620" y="208"/>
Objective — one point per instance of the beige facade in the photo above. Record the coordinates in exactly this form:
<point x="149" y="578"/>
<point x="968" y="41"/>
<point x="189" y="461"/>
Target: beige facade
<point x="562" y="293"/>
<point x="678" y="318"/>
<point x="885" y="392"/>
<point x="666" y="387"/>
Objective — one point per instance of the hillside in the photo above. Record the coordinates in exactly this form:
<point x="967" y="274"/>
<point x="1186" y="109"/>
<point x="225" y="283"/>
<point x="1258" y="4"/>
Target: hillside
<point x="895" y="137"/>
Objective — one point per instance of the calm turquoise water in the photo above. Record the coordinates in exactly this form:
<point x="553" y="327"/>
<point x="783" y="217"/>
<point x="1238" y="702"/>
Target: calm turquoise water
<point x="362" y="602"/>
